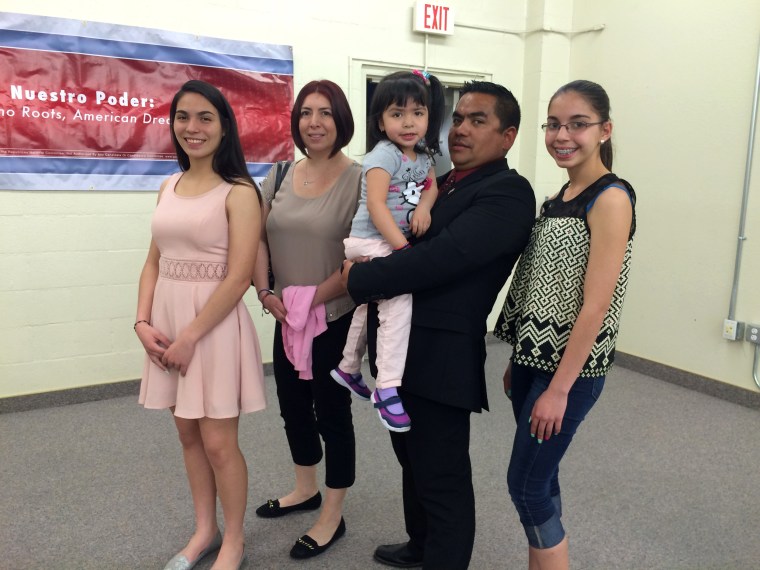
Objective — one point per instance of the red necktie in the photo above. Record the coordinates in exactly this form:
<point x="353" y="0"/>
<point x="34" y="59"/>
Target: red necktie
<point x="448" y="184"/>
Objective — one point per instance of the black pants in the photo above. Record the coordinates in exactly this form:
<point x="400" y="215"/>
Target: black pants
<point x="319" y="406"/>
<point x="439" y="502"/>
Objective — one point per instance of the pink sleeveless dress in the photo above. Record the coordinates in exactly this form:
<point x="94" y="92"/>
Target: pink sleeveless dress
<point x="225" y="376"/>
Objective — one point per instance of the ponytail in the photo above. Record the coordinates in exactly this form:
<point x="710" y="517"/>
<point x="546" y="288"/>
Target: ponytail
<point x="436" y="111"/>
<point x="605" y="153"/>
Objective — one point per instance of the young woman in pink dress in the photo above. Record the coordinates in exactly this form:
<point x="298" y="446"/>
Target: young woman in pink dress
<point x="203" y="360"/>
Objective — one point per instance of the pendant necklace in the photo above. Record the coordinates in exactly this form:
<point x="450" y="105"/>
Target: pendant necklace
<point x="306" y="181"/>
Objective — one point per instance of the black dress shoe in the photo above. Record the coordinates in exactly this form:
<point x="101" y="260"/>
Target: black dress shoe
<point x="307" y="547"/>
<point x="398" y="555"/>
<point x="272" y="509"/>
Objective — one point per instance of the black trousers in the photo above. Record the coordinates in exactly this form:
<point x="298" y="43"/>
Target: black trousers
<point x="439" y="501"/>
<point x="318" y="407"/>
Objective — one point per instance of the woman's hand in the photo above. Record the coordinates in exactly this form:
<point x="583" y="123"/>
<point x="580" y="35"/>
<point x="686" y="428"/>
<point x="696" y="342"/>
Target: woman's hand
<point x="179" y="354"/>
<point x="274" y="305"/>
<point x="547" y="414"/>
<point x="154" y="343"/>
<point x="508" y="380"/>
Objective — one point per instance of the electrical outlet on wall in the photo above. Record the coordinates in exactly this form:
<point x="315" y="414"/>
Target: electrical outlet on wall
<point x="753" y="334"/>
<point x="733" y="330"/>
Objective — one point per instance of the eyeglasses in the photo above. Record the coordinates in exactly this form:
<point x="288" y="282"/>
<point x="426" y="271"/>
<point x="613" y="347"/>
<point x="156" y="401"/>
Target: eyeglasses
<point x="572" y="126"/>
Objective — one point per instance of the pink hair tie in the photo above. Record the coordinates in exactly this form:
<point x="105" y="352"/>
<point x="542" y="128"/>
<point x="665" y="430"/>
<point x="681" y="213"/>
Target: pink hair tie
<point x="424" y="75"/>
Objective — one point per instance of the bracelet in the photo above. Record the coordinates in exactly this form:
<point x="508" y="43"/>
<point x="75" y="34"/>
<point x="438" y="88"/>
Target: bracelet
<point x="268" y="291"/>
<point x="407" y="245"/>
<point x="138" y="322"/>
<point x="264" y="310"/>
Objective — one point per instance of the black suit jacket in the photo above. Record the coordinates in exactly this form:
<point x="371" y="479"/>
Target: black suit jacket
<point x="455" y="271"/>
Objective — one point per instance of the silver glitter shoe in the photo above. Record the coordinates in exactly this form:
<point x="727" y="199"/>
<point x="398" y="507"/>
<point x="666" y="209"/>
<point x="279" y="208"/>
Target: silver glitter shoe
<point x="180" y="561"/>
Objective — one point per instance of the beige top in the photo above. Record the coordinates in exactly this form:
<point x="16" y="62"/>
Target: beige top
<point x="306" y="235"/>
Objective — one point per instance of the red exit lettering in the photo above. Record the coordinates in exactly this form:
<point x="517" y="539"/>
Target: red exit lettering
<point x="436" y="17"/>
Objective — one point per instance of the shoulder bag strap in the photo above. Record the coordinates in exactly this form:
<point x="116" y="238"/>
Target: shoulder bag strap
<point x="282" y="170"/>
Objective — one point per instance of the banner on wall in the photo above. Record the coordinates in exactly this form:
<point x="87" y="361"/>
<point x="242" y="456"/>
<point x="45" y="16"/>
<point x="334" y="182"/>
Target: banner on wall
<point x="84" y="105"/>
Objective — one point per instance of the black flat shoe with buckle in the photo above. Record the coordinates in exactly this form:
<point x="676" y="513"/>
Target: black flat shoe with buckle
<point x="272" y="509"/>
<point x="307" y="547"/>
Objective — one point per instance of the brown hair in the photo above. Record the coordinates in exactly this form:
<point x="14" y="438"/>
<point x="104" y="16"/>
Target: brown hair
<point x="597" y="97"/>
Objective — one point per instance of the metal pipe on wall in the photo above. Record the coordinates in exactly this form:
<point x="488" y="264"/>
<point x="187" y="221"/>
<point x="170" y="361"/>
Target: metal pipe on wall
<point x="745" y="197"/>
<point x="544" y="29"/>
<point x="743" y="215"/>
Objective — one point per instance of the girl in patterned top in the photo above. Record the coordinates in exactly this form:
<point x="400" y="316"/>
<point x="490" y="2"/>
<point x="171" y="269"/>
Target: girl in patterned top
<point x="563" y="309"/>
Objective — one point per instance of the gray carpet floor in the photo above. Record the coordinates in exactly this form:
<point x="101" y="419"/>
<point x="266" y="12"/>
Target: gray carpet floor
<point x="658" y="477"/>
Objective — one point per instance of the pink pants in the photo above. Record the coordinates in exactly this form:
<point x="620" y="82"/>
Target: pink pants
<point x="395" y="317"/>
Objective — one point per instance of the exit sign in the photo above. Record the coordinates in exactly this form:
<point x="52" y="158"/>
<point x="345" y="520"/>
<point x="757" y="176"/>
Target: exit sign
<point x="432" y="18"/>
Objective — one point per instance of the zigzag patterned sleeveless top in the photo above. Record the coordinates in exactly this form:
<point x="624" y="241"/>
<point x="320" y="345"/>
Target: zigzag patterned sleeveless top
<point x="546" y="293"/>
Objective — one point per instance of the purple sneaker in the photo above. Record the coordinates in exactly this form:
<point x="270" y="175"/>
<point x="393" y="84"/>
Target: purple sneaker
<point x="354" y="382"/>
<point x="391" y="410"/>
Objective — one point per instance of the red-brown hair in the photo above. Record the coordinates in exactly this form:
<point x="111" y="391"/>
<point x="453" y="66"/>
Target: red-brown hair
<point x="344" y="120"/>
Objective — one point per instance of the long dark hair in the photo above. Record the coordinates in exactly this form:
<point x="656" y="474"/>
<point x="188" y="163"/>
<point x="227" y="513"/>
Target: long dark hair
<point x="396" y="89"/>
<point x="229" y="160"/>
<point x="597" y="97"/>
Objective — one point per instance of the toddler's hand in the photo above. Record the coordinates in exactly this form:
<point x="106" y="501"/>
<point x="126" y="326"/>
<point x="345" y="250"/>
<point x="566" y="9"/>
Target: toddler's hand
<point x="420" y="221"/>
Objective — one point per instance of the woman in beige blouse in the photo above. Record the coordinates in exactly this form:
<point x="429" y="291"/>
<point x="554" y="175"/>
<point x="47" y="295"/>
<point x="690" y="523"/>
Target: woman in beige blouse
<point x="305" y="223"/>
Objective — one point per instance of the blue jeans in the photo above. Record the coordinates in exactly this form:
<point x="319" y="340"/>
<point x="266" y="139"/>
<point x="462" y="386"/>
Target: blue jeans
<point x="533" y="475"/>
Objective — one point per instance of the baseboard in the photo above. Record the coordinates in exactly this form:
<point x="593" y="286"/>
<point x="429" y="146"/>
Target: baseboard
<point x="689" y="380"/>
<point x="702" y="384"/>
<point x="69" y="396"/>
<point x="77" y="395"/>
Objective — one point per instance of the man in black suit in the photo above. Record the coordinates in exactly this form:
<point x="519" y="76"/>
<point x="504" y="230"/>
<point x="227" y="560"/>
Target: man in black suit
<point x="480" y="224"/>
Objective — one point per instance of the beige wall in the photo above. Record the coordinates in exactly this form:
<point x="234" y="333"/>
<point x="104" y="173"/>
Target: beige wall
<point x="681" y="89"/>
<point x="71" y="259"/>
<point x="680" y="77"/>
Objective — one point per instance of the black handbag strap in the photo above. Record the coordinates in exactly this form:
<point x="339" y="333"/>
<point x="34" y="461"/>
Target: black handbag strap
<point x="279" y="174"/>
<point x="280" y="171"/>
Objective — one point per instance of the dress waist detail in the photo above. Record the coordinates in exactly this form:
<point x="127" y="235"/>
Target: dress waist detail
<point x="181" y="270"/>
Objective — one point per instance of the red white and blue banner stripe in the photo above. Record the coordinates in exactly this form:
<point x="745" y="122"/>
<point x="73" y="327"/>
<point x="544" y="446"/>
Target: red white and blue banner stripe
<point x="84" y="105"/>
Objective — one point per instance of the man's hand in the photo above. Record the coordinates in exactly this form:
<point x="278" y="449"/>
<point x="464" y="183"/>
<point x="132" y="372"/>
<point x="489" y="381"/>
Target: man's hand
<point x="347" y="265"/>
